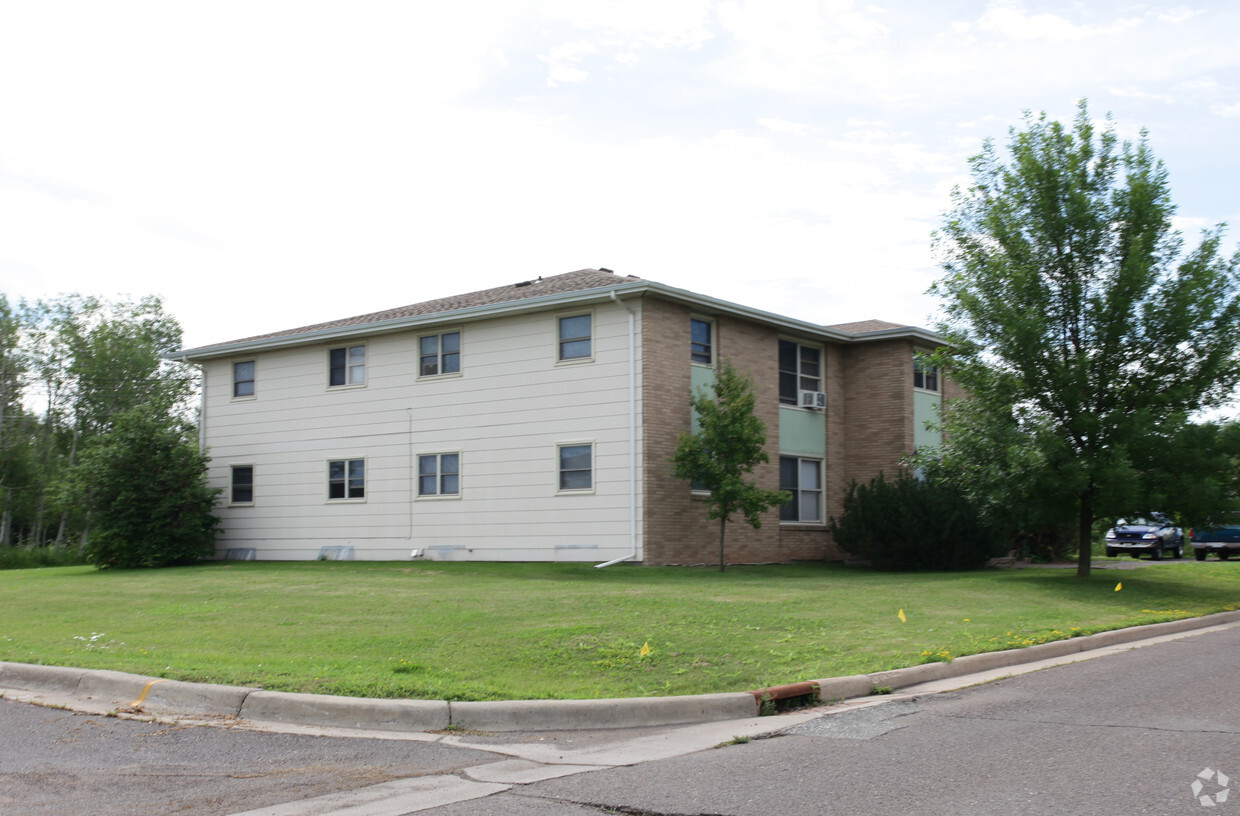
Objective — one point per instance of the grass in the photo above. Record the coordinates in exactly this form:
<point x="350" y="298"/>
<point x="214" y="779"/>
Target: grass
<point x="541" y="631"/>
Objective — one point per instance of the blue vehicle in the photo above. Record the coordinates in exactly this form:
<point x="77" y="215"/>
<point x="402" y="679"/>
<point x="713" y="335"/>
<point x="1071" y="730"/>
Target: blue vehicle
<point x="1222" y="541"/>
<point x="1140" y="536"/>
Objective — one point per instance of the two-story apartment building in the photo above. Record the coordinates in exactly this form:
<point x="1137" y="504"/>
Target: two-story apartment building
<point x="536" y="421"/>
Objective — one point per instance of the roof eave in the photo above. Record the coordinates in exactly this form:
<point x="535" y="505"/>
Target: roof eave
<point x="400" y="324"/>
<point x="633" y="288"/>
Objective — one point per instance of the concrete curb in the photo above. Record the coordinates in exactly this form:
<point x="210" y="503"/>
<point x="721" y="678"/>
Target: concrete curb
<point x="346" y="712"/>
<point x="136" y="693"/>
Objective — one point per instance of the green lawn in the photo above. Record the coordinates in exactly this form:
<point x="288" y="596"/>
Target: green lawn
<point x="529" y="631"/>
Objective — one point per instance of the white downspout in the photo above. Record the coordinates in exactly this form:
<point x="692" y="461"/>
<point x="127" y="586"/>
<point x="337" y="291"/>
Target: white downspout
<point x="632" y="438"/>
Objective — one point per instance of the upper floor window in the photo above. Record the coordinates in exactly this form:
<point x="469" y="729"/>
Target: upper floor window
<point x="439" y="354"/>
<point x="803" y="479"/>
<point x="346" y="479"/>
<point x="243" y="379"/>
<point x="439" y="474"/>
<point x="925" y="376"/>
<point x="575" y="337"/>
<point x="800" y="369"/>
<point x="347" y="366"/>
<point x="701" y="347"/>
<point x="241" y="484"/>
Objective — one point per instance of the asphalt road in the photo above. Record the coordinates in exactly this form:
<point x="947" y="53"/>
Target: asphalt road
<point x="1128" y="733"/>
<point x="1125" y="734"/>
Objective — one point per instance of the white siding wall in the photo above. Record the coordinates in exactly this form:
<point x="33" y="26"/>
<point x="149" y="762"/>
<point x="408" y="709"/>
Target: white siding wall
<point x="505" y="414"/>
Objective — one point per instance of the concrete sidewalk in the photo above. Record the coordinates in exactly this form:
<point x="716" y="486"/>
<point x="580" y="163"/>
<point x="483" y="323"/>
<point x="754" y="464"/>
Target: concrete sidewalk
<point x="98" y="691"/>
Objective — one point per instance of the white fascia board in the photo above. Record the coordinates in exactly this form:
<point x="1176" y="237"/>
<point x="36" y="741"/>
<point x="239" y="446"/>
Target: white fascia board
<point x="921" y="335"/>
<point x="815" y="330"/>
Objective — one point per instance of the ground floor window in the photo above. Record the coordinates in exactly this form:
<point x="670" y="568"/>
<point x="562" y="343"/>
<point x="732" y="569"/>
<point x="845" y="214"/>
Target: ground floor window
<point x="346" y="479"/>
<point x="576" y="463"/>
<point x="241" y="485"/>
<point x="439" y="474"/>
<point x="803" y="479"/>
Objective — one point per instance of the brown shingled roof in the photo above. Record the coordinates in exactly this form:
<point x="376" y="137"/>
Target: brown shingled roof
<point x="578" y="281"/>
<point x="862" y="326"/>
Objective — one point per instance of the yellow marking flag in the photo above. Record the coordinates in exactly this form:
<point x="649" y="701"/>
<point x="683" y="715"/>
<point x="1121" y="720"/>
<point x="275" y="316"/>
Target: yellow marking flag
<point x="645" y="649"/>
<point x="1119" y="586"/>
<point x="900" y="615"/>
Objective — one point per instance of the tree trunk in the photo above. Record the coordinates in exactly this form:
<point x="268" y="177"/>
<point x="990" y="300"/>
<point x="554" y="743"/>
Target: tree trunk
<point x="4" y="522"/>
<point x="1085" y="521"/>
<point x="723" y="523"/>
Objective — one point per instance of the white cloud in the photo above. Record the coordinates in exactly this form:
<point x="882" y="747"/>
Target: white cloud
<point x="562" y="61"/>
<point x="277" y="164"/>
<point x="784" y="126"/>
<point x="1009" y="19"/>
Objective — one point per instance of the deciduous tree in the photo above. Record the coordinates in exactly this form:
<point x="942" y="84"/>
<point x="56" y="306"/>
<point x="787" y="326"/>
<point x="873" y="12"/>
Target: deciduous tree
<point x="722" y="453"/>
<point x="1084" y="332"/>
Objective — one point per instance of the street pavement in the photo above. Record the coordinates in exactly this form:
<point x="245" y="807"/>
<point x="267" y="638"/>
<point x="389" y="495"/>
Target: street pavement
<point x="1134" y="731"/>
<point x="1129" y="733"/>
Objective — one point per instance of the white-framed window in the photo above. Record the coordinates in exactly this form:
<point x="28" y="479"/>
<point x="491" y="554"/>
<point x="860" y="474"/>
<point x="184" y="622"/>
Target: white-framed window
<point x="346" y="366"/>
<point x="575" y="465"/>
<point x="925" y="377"/>
<point x="243" y="379"/>
<point x="439" y="354"/>
<point x="802" y="478"/>
<point x="439" y="474"/>
<point x="575" y="337"/>
<point x="346" y="479"/>
<point x="701" y="341"/>
<point x="800" y="369"/>
<point x="240" y="485"/>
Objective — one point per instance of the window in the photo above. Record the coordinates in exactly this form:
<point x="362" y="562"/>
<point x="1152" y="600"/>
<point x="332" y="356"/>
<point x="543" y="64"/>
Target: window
<point x="243" y="379"/>
<point x="346" y="479"/>
<point x="575" y="337"/>
<point x="701" y="350"/>
<point x="439" y="474"/>
<point x="576" y="467"/>
<point x="241" y="485"/>
<point x="803" y="479"/>
<point x="925" y="377"/>
<point x="439" y="354"/>
<point x="800" y="369"/>
<point x="346" y="366"/>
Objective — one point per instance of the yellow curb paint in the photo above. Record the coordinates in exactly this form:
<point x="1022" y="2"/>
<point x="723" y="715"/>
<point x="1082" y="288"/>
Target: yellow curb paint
<point x="141" y="697"/>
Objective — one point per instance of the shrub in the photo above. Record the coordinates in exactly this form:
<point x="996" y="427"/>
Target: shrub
<point x="145" y="486"/>
<point x="34" y="557"/>
<point x="913" y="524"/>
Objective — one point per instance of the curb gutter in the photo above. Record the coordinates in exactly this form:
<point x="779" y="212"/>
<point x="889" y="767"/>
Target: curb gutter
<point x="136" y="694"/>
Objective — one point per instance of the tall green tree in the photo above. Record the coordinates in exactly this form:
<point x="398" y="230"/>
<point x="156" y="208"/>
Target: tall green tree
<point x="12" y="367"/>
<point x="68" y="366"/>
<point x="1080" y="326"/>
<point x="720" y="456"/>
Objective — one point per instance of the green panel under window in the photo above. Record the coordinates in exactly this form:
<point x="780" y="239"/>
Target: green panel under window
<point x="700" y="377"/>
<point x="925" y="409"/>
<point x="802" y="431"/>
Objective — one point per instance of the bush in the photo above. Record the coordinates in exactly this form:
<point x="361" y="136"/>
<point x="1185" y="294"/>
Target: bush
<point x="913" y="524"/>
<point x="145" y="485"/>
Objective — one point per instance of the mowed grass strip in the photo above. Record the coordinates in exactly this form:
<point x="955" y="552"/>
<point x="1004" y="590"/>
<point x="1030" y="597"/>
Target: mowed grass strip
<point x="542" y="631"/>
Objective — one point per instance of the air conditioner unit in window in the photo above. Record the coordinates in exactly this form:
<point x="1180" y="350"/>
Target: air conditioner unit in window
<point x="813" y="399"/>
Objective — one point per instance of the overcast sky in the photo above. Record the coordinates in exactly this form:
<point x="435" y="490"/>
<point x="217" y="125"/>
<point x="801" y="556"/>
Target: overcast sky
<point x="266" y="165"/>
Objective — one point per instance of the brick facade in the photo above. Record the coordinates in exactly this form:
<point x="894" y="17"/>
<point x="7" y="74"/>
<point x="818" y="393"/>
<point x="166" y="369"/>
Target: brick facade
<point x="869" y="428"/>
